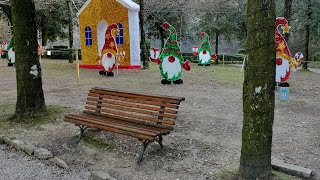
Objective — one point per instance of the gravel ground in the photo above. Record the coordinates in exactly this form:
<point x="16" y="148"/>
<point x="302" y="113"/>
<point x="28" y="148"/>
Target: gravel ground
<point x="18" y="166"/>
<point x="206" y="139"/>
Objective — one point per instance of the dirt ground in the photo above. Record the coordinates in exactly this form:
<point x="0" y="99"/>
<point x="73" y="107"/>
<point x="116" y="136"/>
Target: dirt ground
<point x="206" y="139"/>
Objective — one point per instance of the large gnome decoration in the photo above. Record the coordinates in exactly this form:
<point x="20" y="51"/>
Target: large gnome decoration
<point x="284" y="62"/>
<point x="109" y="52"/>
<point x="171" y="60"/>
<point x="204" y="53"/>
<point x="11" y="54"/>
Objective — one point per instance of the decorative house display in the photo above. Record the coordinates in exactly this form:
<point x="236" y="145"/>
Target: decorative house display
<point x="95" y="17"/>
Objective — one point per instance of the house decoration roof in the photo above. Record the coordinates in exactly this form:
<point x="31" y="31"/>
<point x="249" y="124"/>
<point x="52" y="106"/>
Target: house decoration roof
<point x="129" y="4"/>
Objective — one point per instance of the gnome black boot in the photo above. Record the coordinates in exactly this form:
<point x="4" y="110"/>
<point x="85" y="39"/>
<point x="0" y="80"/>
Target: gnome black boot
<point x="110" y="74"/>
<point x="164" y="82"/>
<point x="10" y="64"/>
<point x="102" y="73"/>
<point x="200" y="64"/>
<point x="179" y="81"/>
<point x="207" y="64"/>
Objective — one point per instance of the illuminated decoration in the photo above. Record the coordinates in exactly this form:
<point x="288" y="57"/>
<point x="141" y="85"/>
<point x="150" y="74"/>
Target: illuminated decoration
<point x="11" y="55"/>
<point x="284" y="62"/>
<point x="98" y="15"/>
<point x="110" y="56"/>
<point x="205" y="56"/>
<point x="170" y="60"/>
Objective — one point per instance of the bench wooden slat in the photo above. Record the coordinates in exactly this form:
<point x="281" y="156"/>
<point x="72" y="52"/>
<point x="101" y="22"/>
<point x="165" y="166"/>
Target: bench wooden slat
<point x="131" y="110"/>
<point x="162" y="126"/>
<point x="169" y="111"/>
<point x="111" y="125"/>
<point x="134" y="125"/>
<point x="130" y="115"/>
<point x="143" y="96"/>
<point x="174" y="106"/>
<point x="110" y="129"/>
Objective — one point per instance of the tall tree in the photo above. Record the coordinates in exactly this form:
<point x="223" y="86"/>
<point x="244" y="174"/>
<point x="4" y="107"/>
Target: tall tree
<point x="30" y="98"/>
<point x="143" y="46"/>
<point x="258" y="91"/>
<point x="287" y="14"/>
<point x="69" y="3"/>
<point x="307" y="37"/>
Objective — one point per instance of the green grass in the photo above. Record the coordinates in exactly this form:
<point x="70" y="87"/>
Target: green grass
<point x="233" y="175"/>
<point x="47" y="116"/>
<point x="315" y="64"/>
<point x="97" y="142"/>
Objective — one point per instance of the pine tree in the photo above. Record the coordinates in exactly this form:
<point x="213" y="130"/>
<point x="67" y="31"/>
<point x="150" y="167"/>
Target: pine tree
<point x="258" y="91"/>
<point x="30" y="98"/>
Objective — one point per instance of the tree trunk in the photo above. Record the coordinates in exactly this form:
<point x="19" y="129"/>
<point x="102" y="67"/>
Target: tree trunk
<point x="258" y="92"/>
<point x="6" y="9"/>
<point x="30" y="97"/>
<point x="69" y="2"/>
<point x="287" y="15"/>
<point x="143" y="46"/>
<point x="217" y="46"/>
<point x="43" y="31"/>
<point x="307" y="37"/>
<point x="161" y="33"/>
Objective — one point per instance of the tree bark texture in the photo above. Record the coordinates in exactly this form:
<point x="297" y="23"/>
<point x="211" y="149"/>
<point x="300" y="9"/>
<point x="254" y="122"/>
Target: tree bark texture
<point x="69" y="2"/>
<point x="287" y="15"/>
<point x="30" y="98"/>
<point x="217" y="46"/>
<point x="307" y="37"/>
<point x="258" y="91"/>
<point x="143" y="46"/>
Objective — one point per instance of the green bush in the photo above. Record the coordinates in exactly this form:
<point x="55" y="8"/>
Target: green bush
<point x="241" y="51"/>
<point x="316" y="57"/>
<point x="231" y="58"/>
<point x="61" y="54"/>
<point x="60" y="47"/>
<point x="189" y="56"/>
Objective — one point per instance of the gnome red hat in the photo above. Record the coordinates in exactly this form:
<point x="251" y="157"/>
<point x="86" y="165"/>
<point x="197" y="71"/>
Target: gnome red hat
<point x="110" y="43"/>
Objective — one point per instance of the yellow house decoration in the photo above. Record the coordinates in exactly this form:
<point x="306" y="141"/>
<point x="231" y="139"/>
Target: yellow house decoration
<point x="95" y="16"/>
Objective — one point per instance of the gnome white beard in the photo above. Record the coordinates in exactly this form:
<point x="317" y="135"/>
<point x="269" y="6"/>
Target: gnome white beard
<point x="173" y="69"/>
<point x="282" y="70"/>
<point x="11" y="56"/>
<point x="108" y="63"/>
<point x="204" y="58"/>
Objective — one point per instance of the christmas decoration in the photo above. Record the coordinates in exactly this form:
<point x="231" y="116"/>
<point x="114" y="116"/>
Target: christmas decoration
<point x="11" y="54"/>
<point x="94" y="18"/>
<point x="110" y="56"/>
<point x="171" y="60"/>
<point x="204" y="53"/>
<point x="296" y="61"/>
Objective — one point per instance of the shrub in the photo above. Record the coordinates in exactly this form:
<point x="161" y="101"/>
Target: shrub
<point x="241" y="51"/>
<point x="231" y="58"/>
<point x="316" y="57"/>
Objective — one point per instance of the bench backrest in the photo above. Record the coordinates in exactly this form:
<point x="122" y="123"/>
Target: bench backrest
<point x="130" y="106"/>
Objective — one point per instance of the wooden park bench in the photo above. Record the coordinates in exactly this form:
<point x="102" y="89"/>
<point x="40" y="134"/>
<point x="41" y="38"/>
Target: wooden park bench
<point x="143" y="116"/>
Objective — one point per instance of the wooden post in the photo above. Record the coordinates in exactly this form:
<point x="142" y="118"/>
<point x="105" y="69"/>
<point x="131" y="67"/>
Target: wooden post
<point x="78" y="69"/>
<point x="223" y="59"/>
<point x="244" y="61"/>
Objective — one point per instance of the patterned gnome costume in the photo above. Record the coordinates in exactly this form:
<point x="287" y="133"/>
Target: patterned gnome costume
<point x="109" y="51"/>
<point x="11" y="54"/>
<point x="171" y="60"/>
<point x="204" y="52"/>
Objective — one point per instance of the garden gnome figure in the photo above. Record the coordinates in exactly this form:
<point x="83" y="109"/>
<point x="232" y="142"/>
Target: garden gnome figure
<point x="109" y="52"/>
<point x="171" y="60"/>
<point x="204" y="53"/>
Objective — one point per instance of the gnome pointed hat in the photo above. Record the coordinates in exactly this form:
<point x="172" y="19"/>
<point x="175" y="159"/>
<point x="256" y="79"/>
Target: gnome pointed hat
<point x="205" y="43"/>
<point x="171" y="46"/>
<point x="110" y="43"/>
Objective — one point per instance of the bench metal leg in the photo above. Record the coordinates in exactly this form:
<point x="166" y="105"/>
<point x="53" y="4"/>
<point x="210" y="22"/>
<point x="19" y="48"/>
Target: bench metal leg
<point x="159" y="140"/>
<point x="145" y="144"/>
<point x="82" y="129"/>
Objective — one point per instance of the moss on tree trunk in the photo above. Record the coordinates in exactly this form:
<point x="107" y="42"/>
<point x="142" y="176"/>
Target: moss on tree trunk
<point x="258" y="91"/>
<point x="30" y="99"/>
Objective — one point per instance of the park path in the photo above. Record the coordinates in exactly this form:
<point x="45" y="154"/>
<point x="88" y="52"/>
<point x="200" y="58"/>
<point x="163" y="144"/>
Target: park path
<point x="18" y="166"/>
